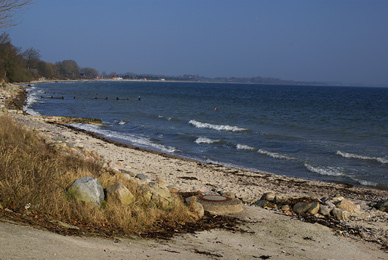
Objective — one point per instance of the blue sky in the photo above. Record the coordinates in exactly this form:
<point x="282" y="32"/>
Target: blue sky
<point x="310" y="40"/>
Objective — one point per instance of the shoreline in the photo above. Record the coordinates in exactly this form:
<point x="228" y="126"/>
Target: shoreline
<point x="241" y="172"/>
<point x="187" y="175"/>
<point x="325" y="186"/>
<point x="304" y="169"/>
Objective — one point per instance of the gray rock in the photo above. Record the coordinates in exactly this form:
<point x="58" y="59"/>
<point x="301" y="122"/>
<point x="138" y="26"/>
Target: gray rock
<point x="142" y="177"/>
<point x="269" y="196"/>
<point x="325" y="210"/>
<point x="340" y="214"/>
<point x="301" y="207"/>
<point x="159" y="191"/>
<point x="120" y="194"/>
<point x="314" y="208"/>
<point x="262" y="203"/>
<point x="347" y="205"/>
<point x="88" y="190"/>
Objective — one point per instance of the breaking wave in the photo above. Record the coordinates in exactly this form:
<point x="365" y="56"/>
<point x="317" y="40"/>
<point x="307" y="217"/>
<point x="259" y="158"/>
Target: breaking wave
<point x="361" y="157"/>
<point x="128" y="138"/>
<point x="275" y="155"/>
<point x="366" y="183"/>
<point x="328" y="171"/>
<point x="216" y="127"/>
<point x="205" y="140"/>
<point x="33" y="97"/>
<point x="244" y="147"/>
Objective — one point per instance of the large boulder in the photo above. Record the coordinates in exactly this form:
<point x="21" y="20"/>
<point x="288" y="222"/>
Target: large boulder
<point x="159" y="191"/>
<point x="347" y="205"/>
<point x="118" y="193"/>
<point x="301" y="207"/>
<point x="311" y="208"/>
<point x="88" y="190"/>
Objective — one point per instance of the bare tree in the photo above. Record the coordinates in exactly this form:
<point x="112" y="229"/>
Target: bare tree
<point x="32" y="57"/>
<point x="9" y="9"/>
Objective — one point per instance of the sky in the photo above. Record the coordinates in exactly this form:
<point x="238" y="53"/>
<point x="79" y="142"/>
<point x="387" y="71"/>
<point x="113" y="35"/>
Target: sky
<point x="342" y="41"/>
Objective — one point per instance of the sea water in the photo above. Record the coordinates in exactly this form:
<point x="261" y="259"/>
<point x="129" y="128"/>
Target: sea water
<point x="336" y="134"/>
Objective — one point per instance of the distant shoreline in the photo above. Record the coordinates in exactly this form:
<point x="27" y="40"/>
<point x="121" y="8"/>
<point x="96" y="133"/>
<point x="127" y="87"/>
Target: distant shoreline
<point x="181" y="81"/>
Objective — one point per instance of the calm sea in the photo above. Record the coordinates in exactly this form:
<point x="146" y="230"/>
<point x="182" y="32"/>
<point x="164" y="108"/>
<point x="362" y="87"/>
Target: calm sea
<point x="336" y="134"/>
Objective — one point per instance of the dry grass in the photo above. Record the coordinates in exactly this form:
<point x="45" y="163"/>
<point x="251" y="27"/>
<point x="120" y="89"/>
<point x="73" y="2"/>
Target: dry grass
<point x="34" y="175"/>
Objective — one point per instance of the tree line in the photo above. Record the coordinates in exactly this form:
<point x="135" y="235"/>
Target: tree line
<point x="23" y="66"/>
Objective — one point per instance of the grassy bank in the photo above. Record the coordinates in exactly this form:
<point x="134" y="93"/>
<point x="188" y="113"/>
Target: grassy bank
<point x="33" y="181"/>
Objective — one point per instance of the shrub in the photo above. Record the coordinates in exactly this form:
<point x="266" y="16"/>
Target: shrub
<point x="34" y="177"/>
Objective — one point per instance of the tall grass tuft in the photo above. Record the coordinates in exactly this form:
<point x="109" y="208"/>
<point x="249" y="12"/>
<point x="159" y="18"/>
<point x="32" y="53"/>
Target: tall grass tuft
<point x="34" y="176"/>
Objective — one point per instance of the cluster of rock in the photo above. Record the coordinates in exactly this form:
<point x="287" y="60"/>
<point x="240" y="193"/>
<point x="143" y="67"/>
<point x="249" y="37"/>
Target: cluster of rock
<point x="337" y="206"/>
<point x="70" y="120"/>
<point x="9" y="92"/>
<point x="89" y="190"/>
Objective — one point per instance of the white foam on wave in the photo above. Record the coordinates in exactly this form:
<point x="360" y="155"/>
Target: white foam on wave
<point x="328" y="171"/>
<point x="361" y="157"/>
<point x="133" y="139"/>
<point x="168" y="118"/>
<point x="244" y="147"/>
<point x="32" y="98"/>
<point x="122" y="122"/>
<point x="366" y="183"/>
<point x="216" y="127"/>
<point x="205" y="140"/>
<point x="275" y="155"/>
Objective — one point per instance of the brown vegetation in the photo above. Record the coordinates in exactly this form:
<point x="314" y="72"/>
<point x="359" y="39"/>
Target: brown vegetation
<point x="33" y="181"/>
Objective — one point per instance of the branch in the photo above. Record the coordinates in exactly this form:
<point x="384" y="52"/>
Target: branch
<point x="9" y="9"/>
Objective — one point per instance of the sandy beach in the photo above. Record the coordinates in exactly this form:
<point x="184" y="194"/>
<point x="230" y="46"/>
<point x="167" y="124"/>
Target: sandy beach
<point x="265" y="233"/>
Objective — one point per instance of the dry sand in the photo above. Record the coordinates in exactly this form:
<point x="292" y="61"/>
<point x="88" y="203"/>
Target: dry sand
<point x="265" y="234"/>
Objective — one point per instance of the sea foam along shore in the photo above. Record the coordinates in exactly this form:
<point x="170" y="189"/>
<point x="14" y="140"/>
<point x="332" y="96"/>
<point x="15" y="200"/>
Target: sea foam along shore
<point x="189" y="175"/>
